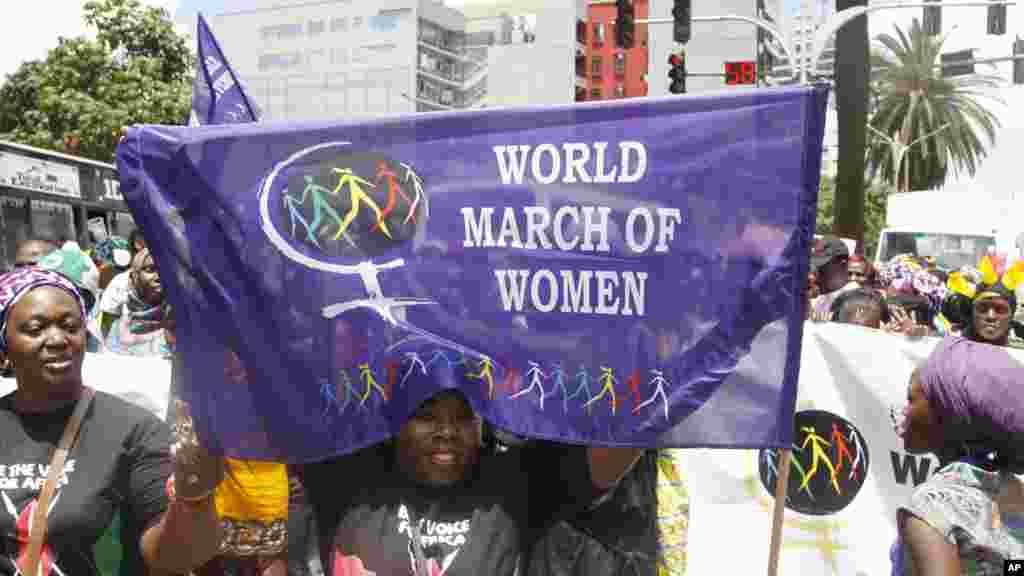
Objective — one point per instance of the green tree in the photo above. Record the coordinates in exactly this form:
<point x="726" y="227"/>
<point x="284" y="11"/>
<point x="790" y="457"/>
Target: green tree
<point x="136" y="71"/>
<point x="875" y="195"/>
<point x="914" y="102"/>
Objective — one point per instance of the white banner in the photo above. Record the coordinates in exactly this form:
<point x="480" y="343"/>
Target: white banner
<point x="37" y="175"/>
<point x="848" y="376"/>
<point x="145" y="382"/>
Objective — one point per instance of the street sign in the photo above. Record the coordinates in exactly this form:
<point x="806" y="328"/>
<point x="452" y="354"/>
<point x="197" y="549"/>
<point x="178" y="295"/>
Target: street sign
<point x="742" y="72"/>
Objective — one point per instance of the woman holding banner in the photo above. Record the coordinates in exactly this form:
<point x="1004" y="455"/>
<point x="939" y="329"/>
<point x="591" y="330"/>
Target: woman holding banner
<point x="70" y="457"/>
<point x="966" y="405"/>
<point x="433" y="501"/>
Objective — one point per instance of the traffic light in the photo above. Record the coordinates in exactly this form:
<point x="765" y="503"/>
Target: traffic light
<point x="1018" y="65"/>
<point x="677" y="73"/>
<point x="625" y="23"/>
<point x="681" y="27"/>
<point x="997" y="19"/>
<point x="932" y="19"/>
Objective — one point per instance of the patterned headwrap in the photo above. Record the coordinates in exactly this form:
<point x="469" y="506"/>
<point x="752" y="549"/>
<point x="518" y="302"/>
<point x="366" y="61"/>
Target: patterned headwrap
<point x="974" y="391"/>
<point x="114" y="250"/>
<point x="909" y="274"/>
<point x="14" y="285"/>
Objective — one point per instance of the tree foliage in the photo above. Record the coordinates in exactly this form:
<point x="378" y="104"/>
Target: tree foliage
<point x="136" y="71"/>
<point x="914" y="101"/>
<point x="875" y="195"/>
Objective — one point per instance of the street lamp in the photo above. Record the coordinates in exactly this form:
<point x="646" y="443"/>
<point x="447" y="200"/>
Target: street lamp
<point x="899" y="151"/>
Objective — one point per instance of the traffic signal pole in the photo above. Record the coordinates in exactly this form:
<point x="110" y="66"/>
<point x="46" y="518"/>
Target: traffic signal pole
<point x="831" y="26"/>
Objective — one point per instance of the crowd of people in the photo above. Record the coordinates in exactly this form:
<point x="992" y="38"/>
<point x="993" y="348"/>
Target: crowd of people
<point x="449" y="495"/>
<point x="964" y="405"/>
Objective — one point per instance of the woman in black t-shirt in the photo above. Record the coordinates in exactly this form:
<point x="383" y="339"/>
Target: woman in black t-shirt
<point x="432" y="502"/>
<point x="121" y="461"/>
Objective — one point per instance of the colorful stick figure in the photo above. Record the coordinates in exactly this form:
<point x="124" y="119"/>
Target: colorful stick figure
<point x="320" y="205"/>
<point x="817" y="454"/>
<point x="658" y="381"/>
<point x="537" y="377"/>
<point x="438" y="356"/>
<point x="294" y="207"/>
<point x="385" y="172"/>
<point x="330" y="398"/>
<point x="608" y="383"/>
<point x="414" y="360"/>
<point x="768" y="456"/>
<point x="485" y="375"/>
<point x="366" y="374"/>
<point x="417" y="184"/>
<point x="842" y="451"/>
<point x="350" y="391"/>
<point x="583" y="377"/>
<point x="558" y="377"/>
<point x="800" y="468"/>
<point x="356" y="197"/>
<point x="855" y="440"/>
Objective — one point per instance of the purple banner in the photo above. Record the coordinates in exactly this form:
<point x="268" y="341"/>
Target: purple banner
<point x="218" y="96"/>
<point x="623" y="273"/>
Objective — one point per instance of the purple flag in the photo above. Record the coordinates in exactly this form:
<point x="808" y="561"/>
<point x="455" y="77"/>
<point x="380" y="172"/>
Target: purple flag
<point x="218" y="97"/>
<point x="626" y="273"/>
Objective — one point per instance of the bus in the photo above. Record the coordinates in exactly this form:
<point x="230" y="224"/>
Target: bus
<point x="53" y="195"/>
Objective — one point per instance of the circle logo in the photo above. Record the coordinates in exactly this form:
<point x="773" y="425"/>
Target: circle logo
<point x="828" y="464"/>
<point x="329" y="201"/>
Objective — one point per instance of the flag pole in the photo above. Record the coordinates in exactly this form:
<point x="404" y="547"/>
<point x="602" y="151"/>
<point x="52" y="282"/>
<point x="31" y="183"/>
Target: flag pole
<point x="779" y="512"/>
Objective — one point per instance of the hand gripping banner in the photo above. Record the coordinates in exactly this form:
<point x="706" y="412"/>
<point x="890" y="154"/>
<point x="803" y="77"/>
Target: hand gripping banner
<point x="623" y="273"/>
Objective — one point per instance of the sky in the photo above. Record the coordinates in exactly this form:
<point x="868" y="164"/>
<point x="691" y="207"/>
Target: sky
<point x="51" y="19"/>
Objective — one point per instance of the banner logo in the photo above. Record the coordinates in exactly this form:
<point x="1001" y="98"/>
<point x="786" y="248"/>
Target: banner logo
<point x="829" y="464"/>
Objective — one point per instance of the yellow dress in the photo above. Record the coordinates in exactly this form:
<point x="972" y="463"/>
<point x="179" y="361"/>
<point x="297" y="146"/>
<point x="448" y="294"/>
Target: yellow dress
<point x="673" y="515"/>
<point x="252" y="504"/>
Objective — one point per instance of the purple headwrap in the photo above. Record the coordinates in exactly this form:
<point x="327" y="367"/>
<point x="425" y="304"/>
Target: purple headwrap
<point x="14" y="285"/>
<point x="976" y="392"/>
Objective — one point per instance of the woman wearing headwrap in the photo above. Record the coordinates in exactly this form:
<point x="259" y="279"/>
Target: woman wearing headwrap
<point x="966" y="405"/>
<point x="141" y="328"/>
<point x="120" y="460"/>
<point x="989" y="301"/>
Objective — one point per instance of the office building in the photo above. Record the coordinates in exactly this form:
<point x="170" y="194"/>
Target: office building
<point x="610" y="71"/>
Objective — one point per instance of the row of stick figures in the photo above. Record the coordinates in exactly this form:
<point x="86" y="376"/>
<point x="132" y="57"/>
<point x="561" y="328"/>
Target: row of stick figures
<point x="841" y="453"/>
<point x="357" y="198"/>
<point x="543" y="385"/>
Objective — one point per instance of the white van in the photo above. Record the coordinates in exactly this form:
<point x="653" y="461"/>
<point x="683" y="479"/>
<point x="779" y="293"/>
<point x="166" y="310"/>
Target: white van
<point x="951" y="250"/>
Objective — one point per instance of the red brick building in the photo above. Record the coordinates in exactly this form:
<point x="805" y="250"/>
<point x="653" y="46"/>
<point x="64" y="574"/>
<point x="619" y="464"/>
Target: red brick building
<point x="608" y="71"/>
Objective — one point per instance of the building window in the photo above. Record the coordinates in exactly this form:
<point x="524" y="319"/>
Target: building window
<point x="620" y="64"/>
<point x="598" y="33"/>
<point x="339" y="25"/>
<point x="357" y="22"/>
<point x="620" y="91"/>
<point x="595" y="93"/>
<point x="315" y="28"/>
<point x="581" y="32"/>
<point x="595" y="68"/>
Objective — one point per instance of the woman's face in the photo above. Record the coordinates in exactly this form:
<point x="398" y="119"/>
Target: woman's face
<point x="46" y="339"/>
<point x="440" y="443"/>
<point x="922" y="432"/>
<point x="992" y="318"/>
<point x="147" y="282"/>
<point x="858" y="272"/>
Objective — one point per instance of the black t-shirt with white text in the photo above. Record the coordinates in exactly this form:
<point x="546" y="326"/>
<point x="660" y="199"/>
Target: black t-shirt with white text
<point x="120" y="462"/>
<point x="365" y="509"/>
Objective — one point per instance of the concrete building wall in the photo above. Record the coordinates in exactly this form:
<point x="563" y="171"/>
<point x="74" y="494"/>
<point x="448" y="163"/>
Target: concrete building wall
<point x="711" y="45"/>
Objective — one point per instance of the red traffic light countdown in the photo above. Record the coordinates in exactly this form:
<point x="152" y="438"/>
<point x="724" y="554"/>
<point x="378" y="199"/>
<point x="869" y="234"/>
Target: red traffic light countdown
<point x="738" y="73"/>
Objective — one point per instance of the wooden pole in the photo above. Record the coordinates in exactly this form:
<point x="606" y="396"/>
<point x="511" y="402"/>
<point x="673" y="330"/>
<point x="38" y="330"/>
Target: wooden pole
<point x="779" y="512"/>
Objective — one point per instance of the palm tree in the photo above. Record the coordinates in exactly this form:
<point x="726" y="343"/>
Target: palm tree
<point x="941" y="119"/>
